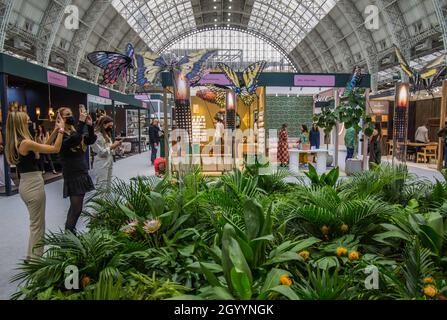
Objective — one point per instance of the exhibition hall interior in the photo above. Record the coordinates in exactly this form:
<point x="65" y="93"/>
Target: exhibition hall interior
<point x="223" y="150"/>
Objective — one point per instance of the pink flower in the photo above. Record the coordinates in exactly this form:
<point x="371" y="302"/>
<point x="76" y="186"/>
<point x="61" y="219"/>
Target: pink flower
<point x="152" y="226"/>
<point x="130" y="228"/>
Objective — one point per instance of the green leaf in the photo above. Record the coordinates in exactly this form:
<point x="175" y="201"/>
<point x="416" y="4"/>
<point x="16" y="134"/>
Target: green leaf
<point x="210" y="277"/>
<point x="213" y="267"/>
<point x="129" y="213"/>
<point x="241" y="284"/>
<point x="222" y="293"/>
<point x="238" y="259"/>
<point x="284" y="257"/>
<point x="273" y="279"/>
<point x="304" y="244"/>
<point x="254" y="218"/>
<point x="326" y="263"/>
<point x="187" y="251"/>
<point x="286" y="291"/>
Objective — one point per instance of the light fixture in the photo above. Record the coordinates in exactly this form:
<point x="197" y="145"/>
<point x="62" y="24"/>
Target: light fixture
<point x="229" y="13"/>
<point x="403" y="97"/>
<point x="38" y="112"/>
<point x="215" y="20"/>
<point x="50" y="112"/>
<point x="215" y="7"/>
<point x="228" y="20"/>
<point x="229" y="7"/>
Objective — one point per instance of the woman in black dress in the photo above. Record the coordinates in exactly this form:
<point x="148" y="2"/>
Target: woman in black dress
<point x="77" y="181"/>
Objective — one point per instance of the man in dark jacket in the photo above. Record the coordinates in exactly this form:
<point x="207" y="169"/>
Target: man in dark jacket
<point x="154" y="139"/>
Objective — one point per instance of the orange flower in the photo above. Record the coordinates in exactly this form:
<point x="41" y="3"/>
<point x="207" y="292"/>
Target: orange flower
<point x="430" y="291"/>
<point x="344" y="228"/>
<point x="429" y="280"/>
<point x="85" y="281"/>
<point x="325" y="230"/>
<point x="304" y="254"/>
<point x="285" y="280"/>
<point x="353" y="255"/>
<point x="342" y="251"/>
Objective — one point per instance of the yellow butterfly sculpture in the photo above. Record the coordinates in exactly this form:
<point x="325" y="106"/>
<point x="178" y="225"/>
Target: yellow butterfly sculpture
<point x="246" y="86"/>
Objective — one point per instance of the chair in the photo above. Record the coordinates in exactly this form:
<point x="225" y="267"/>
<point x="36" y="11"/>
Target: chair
<point x="428" y="153"/>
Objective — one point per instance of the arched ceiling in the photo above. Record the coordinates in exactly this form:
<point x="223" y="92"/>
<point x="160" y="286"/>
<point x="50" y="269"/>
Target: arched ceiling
<point x="317" y="35"/>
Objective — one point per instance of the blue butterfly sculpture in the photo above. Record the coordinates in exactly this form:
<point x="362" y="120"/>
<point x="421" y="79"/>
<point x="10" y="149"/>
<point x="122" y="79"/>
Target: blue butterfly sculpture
<point x="114" y="64"/>
<point x="355" y="81"/>
<point x="150" y="64"/>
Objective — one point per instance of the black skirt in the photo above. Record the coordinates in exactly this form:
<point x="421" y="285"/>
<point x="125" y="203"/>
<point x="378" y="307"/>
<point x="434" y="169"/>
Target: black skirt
<point x="78" y="186"/>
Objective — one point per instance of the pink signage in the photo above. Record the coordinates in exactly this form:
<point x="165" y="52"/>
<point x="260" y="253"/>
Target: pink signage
<point x="314" y="81"/>
<point x="104" y="93"/>
<point x="215" y="78"/>
<point x="57" y="79"/>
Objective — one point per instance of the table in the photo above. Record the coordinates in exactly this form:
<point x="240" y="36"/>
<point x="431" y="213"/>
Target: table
<point x="322" y="156"/>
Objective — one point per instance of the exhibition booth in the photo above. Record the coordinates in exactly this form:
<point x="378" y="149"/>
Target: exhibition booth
<point x="41" y="92"/>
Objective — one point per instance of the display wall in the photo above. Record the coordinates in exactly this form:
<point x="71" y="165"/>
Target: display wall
<point x="294" y="111"/>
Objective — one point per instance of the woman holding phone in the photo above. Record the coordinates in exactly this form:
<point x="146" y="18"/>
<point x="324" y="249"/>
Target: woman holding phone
<point x="23" y="152"/>
<point x="77" y="181"/>
<point x="104" y="148"/>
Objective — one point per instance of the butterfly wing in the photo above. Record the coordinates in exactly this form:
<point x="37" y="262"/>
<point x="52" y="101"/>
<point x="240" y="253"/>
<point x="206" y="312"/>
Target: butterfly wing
<point x="154" y="65"/>
<point x="141" y="79"/>
<point x="193" y="64"/>
<point x="114" y="64"/>
<point x="220" y="96"/>
<point x="433" y="67"/>
<point x="251" y="76"/>
<point x="404" y="64"/>
<point x="231" y="76"/>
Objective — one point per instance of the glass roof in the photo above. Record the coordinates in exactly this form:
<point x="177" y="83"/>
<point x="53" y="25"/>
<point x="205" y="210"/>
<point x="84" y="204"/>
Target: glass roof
<point x="285" y="22"/>
<point x="236" y="48"/>
<point x="288" y="21"/>
<point x="157" y="21"/>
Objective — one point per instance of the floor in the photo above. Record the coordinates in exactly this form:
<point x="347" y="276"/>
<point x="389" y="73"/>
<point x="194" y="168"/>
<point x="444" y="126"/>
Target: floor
<point x="14" y="219"/>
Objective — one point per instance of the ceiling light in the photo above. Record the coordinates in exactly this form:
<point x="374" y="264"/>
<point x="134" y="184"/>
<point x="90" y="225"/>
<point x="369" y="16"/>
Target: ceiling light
<point x="229" y="7"/>
<point x="228" y="20"/>
<point x="229" y="13"/>
<point x="215" y="20"/>
<point x="215" y="7"/>
<point x="228" y="25"/>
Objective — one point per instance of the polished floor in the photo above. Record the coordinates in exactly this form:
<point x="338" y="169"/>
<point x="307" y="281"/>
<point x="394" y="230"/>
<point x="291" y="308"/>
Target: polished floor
<point x="14" y="219"/>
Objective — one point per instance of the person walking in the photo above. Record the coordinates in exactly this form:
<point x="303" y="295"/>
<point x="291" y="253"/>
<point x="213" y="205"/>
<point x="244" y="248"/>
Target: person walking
<point x="154" y="139"/>
<point x="314" y="137"/>
<point x="77" y="181"/>
<point x="375" y="152"/>
<point x="104" y="149"/>
<point x="23" y="152"/>
<point x="283" y="146"/>
<point x="42" y="137"/>
<point x="350" y="136"/>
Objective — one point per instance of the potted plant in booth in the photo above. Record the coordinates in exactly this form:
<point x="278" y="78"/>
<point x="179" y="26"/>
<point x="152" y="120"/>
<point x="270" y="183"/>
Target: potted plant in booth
<point x="351" y="112"/>
<point x="327" y="120"/>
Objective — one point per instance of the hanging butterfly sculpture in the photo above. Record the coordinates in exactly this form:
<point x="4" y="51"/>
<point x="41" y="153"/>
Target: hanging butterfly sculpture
<point x="150" y="64"/>
<point x="246" y="86"/>
<point x="425" y="78"/>
<point x="214" y="95"/>
<point x="114" y="64"/>
<point x="356" y="80"/>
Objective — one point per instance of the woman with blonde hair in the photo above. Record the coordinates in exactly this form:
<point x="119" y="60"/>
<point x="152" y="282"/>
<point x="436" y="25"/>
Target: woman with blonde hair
<point x="23" y="152"/>
<point x="104" y="149"/>
<point x="77" y="181"/>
